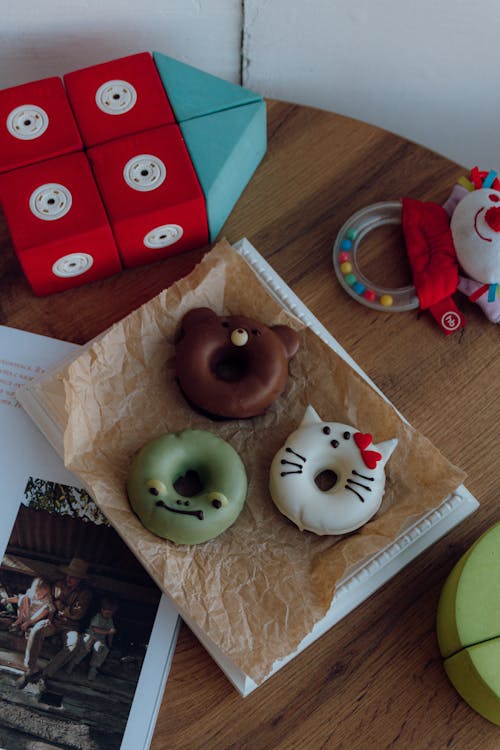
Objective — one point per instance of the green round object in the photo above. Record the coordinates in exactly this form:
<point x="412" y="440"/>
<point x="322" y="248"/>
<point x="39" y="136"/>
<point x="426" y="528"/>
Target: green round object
<point x="187" y="518"/>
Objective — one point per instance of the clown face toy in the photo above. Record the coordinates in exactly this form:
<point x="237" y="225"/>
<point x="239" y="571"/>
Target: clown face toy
<point x="475" y="227"/>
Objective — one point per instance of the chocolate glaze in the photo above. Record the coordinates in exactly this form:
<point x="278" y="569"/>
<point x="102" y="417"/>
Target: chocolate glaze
<point x="229" y="381"/>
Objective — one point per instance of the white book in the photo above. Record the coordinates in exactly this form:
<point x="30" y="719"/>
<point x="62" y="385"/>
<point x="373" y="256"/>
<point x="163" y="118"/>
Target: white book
<point x="27" y="459"/>
<point x="47" y="410"/>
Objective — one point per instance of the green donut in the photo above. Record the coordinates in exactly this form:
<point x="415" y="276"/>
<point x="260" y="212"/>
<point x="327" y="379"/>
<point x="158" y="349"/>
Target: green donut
<point x="195" y="518"/>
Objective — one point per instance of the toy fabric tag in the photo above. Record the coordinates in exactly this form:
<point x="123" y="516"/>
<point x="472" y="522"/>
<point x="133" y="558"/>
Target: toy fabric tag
<point x="448" y="316"/>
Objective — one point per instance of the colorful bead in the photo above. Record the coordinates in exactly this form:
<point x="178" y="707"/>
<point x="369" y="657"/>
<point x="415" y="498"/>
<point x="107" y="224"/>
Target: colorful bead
<point x="346" y="265"/>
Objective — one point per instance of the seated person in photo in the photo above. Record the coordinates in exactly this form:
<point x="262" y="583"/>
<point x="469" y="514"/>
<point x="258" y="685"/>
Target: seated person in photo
<point x="97" y="639"/>
<point x="33" y="606"/>
<point x="72" y="597"/>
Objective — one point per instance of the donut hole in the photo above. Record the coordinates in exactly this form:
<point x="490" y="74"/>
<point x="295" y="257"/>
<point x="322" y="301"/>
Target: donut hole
<point x="230" y="365"/>
<point x="189" y="484"/>
<point x="325" y="480"/>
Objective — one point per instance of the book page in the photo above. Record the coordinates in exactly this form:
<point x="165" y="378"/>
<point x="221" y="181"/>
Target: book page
<point x="47" y="518"/>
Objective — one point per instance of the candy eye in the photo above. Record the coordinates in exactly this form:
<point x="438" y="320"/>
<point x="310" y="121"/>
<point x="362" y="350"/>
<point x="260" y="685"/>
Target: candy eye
<point x="218" y="500"/>
<point x="155" y="487"/>
<point x="326" y="430"/>
<point x="239" y="337"/>
<point x="347" y="435"/>
<point x="256" y="332"/>
<point x="494" y="198"/>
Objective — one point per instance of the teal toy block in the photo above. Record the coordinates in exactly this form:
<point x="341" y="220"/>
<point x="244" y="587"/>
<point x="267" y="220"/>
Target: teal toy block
<point x="194" y="93"/>
<point x="226" y="147"/>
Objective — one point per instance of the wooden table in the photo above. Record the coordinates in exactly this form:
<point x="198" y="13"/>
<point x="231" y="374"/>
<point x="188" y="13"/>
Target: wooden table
<point x="375" y="680"/>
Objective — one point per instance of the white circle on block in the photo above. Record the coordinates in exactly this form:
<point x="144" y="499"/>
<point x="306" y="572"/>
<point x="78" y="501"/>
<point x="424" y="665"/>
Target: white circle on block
<point x="116" y="97"/>
<point x="27" y="122"/>
<point x="51" y="201"/>
<point x="144" y="172"/>
<point x="163" y="236"/>
<point x="73" y="264"/>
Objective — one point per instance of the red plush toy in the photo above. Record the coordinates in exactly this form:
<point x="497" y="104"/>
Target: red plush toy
<point x="433" y="261"/>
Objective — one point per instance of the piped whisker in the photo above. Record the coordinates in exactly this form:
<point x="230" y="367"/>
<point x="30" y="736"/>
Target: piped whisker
<point x="358" y="484"/>
<point x="355" y="492"/>
<point x="290" y="450"/>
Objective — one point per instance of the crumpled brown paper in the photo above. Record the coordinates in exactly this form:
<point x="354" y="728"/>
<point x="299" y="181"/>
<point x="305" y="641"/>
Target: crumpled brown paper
<point x="258" y="589"/>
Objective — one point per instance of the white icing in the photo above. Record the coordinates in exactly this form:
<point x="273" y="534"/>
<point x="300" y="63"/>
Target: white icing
<point x="307" y="453"/>
<point x="477" y="244"/>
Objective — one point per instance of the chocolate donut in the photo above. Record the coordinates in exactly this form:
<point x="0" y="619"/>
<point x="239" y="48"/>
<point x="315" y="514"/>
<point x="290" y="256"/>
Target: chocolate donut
<point x="231" y="366"/>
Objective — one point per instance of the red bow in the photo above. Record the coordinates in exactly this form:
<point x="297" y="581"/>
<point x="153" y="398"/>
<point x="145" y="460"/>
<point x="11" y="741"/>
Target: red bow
<point x="370" y="458"/>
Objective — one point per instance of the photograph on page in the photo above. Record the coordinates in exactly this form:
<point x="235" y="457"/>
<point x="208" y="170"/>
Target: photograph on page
<point x="76" y="615"/>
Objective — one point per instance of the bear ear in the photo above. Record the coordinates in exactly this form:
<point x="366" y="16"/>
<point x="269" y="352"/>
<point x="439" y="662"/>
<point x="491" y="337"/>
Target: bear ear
<point x="196" y="316"/>
<point x="289" y="339"/>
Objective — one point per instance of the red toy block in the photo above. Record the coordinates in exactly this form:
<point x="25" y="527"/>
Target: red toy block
<point x="152" y="195"/>
<point x="118" y="98"/>
<point x="58" y="225"/>
<point x="37" y="123"/>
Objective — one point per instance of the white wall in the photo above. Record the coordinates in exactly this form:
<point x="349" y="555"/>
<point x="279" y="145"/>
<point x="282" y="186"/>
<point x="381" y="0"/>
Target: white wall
<point x="426" y="69"/>
<point x="51" y="37"/>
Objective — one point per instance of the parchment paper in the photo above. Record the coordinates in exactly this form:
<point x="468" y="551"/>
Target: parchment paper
<point x="258" y="589"/>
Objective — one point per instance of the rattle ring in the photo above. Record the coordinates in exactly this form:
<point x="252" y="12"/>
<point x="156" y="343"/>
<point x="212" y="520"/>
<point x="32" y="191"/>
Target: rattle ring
<point x="190" y="518"/>
<point x="345" y="263"/>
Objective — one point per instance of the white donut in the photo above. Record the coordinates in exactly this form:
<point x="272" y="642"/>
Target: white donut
<point x="356" y="476"/>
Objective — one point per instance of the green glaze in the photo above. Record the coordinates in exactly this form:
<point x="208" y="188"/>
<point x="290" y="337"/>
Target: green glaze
<point x="197" y="518"/>
<point x="475" y="673"/>
<point x="469" y="606"/>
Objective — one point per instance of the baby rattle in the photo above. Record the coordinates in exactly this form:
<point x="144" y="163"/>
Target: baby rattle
<point x="445" y="255"/>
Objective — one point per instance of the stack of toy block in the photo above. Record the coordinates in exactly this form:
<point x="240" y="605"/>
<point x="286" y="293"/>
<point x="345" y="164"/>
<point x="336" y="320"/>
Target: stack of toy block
<point x="121" y="164"/>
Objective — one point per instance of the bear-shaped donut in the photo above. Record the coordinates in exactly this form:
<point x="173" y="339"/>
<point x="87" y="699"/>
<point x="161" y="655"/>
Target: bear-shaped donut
<point x="231" y="366"/>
